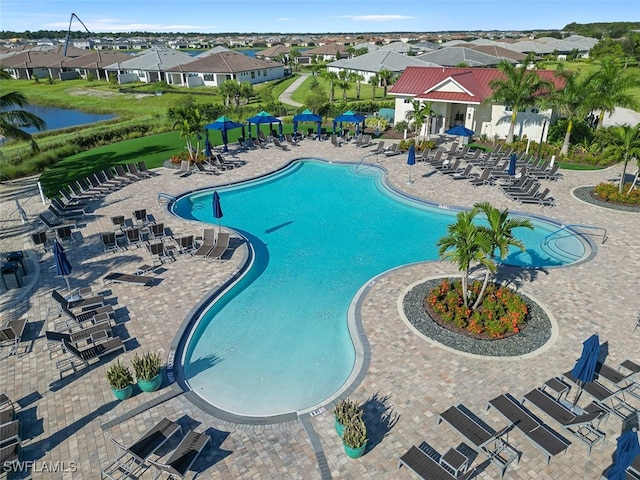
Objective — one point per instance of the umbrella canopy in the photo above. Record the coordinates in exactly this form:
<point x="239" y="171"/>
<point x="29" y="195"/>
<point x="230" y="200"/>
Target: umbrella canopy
<point x="349" y="117"/>
<point x="307" y="116"/>
<point x="460" y="131"/>
<point x="217" y="208"/>
<point x="512" y="164"/>
<point x="264" y="117"/>
<point x="585" y="367"/>
<point x="223" y="124"/>
<point x="627" y="450"/>
<point x="63" y="267"/>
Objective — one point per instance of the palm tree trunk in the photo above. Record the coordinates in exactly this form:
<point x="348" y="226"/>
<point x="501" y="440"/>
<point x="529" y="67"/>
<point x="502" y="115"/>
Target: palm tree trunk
<point x="635" y="181"/>
<point x="512" y="127"/>
<point x="567" y="139"/>
<point x="623" y="173"/>
<point x="358" y="91"/>
<point x="465" y="276"/>
<point x="482" y="290"/>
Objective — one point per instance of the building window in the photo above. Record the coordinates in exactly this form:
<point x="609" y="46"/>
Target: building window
<point x="407" y="100"/>
<point x="253" y="74"/>
<point x="507" y="108"/>
<point x="535" y="110"/>
<point x="208" y="77"/>
<point x="264" y="73"/>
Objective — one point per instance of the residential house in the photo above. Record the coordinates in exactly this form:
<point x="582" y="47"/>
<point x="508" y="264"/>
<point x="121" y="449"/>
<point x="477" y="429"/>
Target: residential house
<point x="459" y="55"/>
<point x="272" y="53"/>
<point x="94" y="63"/>
<point x="149" y="67"/>
<point x="324" y="53"/>
<point x="458" y="96"/>
<point x="213" y="70"/>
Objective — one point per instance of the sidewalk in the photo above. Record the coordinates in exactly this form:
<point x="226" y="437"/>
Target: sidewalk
<point x="286" y="95"/>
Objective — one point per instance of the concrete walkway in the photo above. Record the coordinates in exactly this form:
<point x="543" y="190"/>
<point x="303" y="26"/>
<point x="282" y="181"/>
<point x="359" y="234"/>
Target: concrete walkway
<point x="408" y="382"/>
<point x="285" y="97"/>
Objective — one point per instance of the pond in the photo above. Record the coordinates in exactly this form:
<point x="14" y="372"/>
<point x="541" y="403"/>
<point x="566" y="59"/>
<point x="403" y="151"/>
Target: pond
<point x="57" y="118"/>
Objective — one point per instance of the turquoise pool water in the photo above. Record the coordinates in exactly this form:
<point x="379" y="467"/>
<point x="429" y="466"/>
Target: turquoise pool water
<point x="278" y="342"/>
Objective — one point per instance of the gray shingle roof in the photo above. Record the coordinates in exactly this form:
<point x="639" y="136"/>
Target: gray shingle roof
<point x="158" y="60"/>
<point x="452" y="56"/>
<point x="380" y="60"/>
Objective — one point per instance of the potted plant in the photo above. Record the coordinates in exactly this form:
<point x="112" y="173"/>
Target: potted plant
<point x="343" y="411"/>
<point x="148" y="371"/>
<point x="354" y="438"/>
<point x="120" y="380"/>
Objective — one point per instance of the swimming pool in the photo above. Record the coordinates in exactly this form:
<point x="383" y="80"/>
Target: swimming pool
<point x="278" y="341"/>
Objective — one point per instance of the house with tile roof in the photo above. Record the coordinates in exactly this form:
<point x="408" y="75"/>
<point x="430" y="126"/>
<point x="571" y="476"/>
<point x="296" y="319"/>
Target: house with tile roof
<point x="213" y="70"/>
<point x="458" y="96"/>
<point x="324" y="53"/>
<point x="150" y="67"/>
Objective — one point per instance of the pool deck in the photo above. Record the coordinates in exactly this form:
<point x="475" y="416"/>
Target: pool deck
<point x="409" y="380"/>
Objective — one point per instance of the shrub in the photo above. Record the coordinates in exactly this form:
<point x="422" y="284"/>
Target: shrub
<point x="609" y="192"/>
<point x="502" y="311"/>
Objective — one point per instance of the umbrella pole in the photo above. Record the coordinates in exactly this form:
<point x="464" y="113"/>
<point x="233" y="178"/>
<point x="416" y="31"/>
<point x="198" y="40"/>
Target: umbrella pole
<point x="578" y="393"/>
<point x="66" y="279"/>
<point x="410" y="181"/>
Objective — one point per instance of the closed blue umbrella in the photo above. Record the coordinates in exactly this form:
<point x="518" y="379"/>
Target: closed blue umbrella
<point x="627" y="450"/>
<point x="512" y="164"/>
<point x="217" y="208"/>
<point x="411" y="161"/>
<point x="63" y="267"/>
<point x="585" y="367"/>
<point x="207" y="148"/>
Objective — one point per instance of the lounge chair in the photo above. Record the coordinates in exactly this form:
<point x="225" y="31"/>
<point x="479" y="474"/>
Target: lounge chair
<point x="113" y="176"/>
<point x="258" y="144"/>
<point x="10" y="453"/>
<point x="221" y="246"/>
<point x="365" y="141"/>
<point x="380" y="148"/>
<point x="157" y="230"/>
<point x="428" y="468"/>
<point x="64" y="207"/>
<point x="95" y="351"/>
<point x="93" y="334"/>
<point x="11" y="334"/>
<point x="208" y="242"/>
<point x="109" y="180"/>
<point x="185" y="245"/>
<point x="289" y="138"/>
<point x="142" y="166"/>
<point x="120" y="170"/>
<point x="200" y="168"/>
<point x="484" y="439"/>
<point x="117" y="277"/>
<point x="277" y="143"/>
<point x="392" y="150"/>
<point x="109" y="242"/>
<point x="74" y="320"/>
<point x="184" y="170"/>
<point x="451" y="168"/>
<point x="64" y="234"/>
<point x="40" y="239"/>
<point x="158" y="253"/>
<point x="580" y="425"/>
<point x="66" y="215"/>
<point x="541" y="436"/>
<point x="334" y="140"/>
<point x="531" y="190"/>
<point x="133" y="170"/>
<point x="542" y="198"/>
<point x="133" y="458"/>
<point x="184" y="455"/>
<point x="10" y="432"/>
<point x="89" y="190"/>
<point x="464" y="174"/>
<point x="141" y="218"/>
<point x="133" y="237"/>
<point x="84" y="303"/>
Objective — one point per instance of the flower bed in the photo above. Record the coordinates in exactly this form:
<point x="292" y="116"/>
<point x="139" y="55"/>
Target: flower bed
<point x="502" y="312"/>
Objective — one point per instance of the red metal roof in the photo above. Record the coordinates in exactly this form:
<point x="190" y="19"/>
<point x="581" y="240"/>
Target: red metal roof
<point x="425" y="83"/>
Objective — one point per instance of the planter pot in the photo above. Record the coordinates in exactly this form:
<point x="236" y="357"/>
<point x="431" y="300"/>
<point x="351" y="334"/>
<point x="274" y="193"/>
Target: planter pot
<point x="354" y="452"/>
<point x="124" y="393"/>
<point x="152" y="384"/>
<point x="338" y="425"/>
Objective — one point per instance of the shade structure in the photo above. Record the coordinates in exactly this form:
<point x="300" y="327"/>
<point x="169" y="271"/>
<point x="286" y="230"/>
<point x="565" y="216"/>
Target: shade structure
<point x="627" y="450"/>
<point x="63" y="267"/>
<point x="217" y="208"/>
<point x="460" y="131"/>
<point x="585" y="368"/>
<point x="307" y="116"/>
<point x="223" y="124"/>
<point x="349" y="117"/>
<point x="264" y="117"/>
<point x="411" y="161"/>
<point x="512" y="164"/>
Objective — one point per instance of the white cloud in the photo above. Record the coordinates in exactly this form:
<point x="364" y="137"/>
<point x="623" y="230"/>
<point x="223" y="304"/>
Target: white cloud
<point x="376" y="18"/>
<point x="285" y="19"/>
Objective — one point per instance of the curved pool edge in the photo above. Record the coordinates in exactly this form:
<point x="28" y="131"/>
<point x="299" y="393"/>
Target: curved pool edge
<point x="354" y="320"/>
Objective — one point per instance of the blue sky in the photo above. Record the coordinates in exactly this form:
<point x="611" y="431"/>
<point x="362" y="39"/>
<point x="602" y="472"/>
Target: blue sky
<point x="301" y="16"/>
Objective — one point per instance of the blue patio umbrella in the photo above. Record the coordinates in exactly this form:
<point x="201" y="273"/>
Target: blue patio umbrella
<point x="223" y="124"/>
<point x="411" y="161"/>
<point x="460" y="131"/>
<point x="264" y="117"/>
<point x="63" y="267"/>
<point x="217" y="208"/>
<point x="585" y="368"/>
<point x="627" y="450"/>
<point x="349" y="117"/>
<point x="307" y="116"/>
<point x="512" y="164"/>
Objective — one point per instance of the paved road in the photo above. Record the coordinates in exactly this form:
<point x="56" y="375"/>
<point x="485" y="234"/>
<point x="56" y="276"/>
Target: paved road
<point x="286" y="95"/>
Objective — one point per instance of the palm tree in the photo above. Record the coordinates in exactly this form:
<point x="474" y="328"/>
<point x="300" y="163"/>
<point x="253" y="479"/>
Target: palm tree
<point x="419" y="112"/>
<point x="519" y="89"/>
<point x="612" y="85"/>
<point x="332" y="77"/>
<point x="464" y="245"/>
<point x="500" y="233"/>
<point x="374" y="81"/>
<point x="12" y="121"/>
<point x="626" y="144"/>
<point x="190" y="122"/>
<point x="358" y="78"/>
<point x="229" y="89"/>
<point x="570" y="101"/>
<point x="293" y="58"/>
<point x="386" y="77"/>
<point x="246" y="91"/>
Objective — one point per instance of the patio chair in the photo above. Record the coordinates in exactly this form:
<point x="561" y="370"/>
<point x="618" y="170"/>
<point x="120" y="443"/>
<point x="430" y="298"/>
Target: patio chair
<point x="334" y="140"/>
<point x="71" y="199"/>
<point x="277" y="143"/>
<point x="380" y="148"/>
<point x="422" y="464"/>
<point x="10" y="453"/>
<point x="580" y="425"/>
<point x="142" y="166"/>
<point x="119" y="224"/>
<point x="158" y="253"/>
<point x="65" y="207"/>
<point x="184" y="169"/>
<point x="11" y="334"/>
<point x="463" y="175"/>
<point x="541" y="436"/>
<point x="10" y="432"/>
<point x="92" y="334"/>
<point x="184" y="455"/>
<point x="66" y="215"/>
<point x="157" y="230"/>
<point x="200" y="168"/>
<point x="52" y="224"/>
<point x="122" y="173"/>
<point x="131" y="459"/>
<point x="133" y="237"/>
<point x="117" y="277"/>
<point x="113" y="176"/>
<point x="542" y="198"/>
<point x="141" y="218"/>
<point x="220" y="247"/>
<point x="289" y="138"/>
<point x="392" y="150"/>
<point x="40" y="239"/>
<point x="77" y="320"/>
<point x="208" y="242"/>
<point x="84" y="303"/>
<point x="96" y="182"/>
<point x="131" y="169"/>
<point x="258" y="144"/>
<point x="88" y="189"/>
<point x="65" y="234"/>
<point x="109" y="242"/>
<point x="109" y="180"/>
<point x="185" y="245"/>
<point x="95" y="351"/>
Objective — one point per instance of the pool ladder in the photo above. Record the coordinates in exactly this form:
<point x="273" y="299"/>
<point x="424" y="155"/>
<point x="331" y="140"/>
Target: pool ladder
<point x="363" y="158"/>
<point x="165" y="198"/>
<point x="564" y="227"/>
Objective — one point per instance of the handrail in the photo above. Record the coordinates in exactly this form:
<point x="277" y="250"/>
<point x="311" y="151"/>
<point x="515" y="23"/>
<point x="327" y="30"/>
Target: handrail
<point x="564" y="227"/>
<point x="366" y="156"/>
<point x="165" y="198"/>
